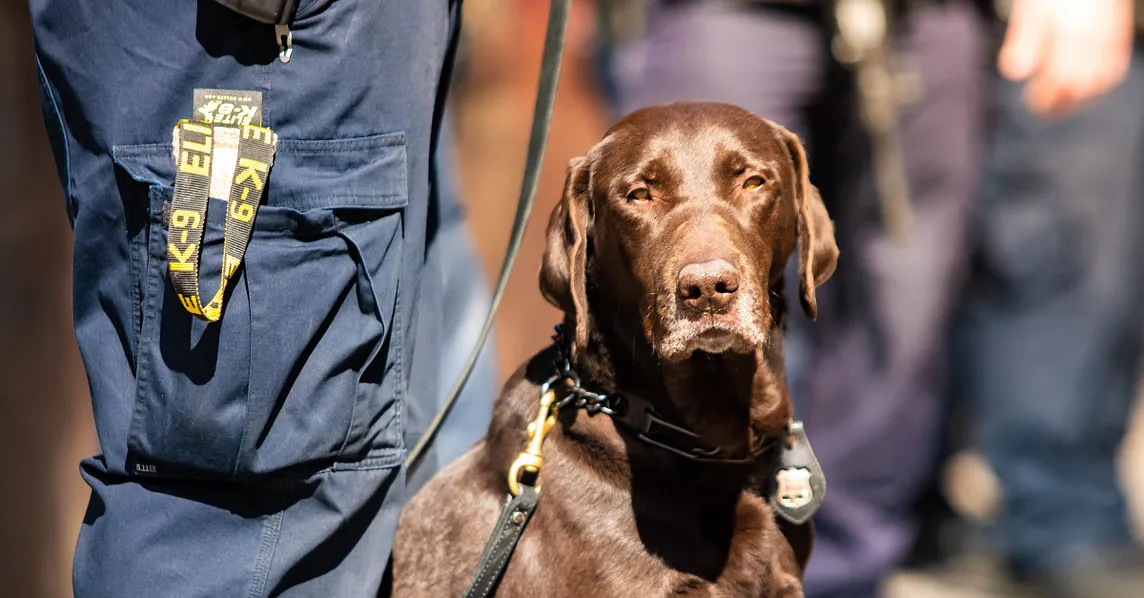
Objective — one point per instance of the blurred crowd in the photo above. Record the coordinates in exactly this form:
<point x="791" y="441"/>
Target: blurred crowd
<point x="982" y="163"/>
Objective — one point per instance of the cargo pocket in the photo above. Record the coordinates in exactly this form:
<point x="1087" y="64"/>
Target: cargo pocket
<point x="297" y="372"/>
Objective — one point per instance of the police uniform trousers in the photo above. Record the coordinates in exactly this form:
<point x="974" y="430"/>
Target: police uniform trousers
<point x="261" y="454"/>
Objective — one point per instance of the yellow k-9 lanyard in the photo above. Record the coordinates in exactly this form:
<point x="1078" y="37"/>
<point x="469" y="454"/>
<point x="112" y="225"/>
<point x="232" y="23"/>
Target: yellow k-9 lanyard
<point x="195" y="145"/>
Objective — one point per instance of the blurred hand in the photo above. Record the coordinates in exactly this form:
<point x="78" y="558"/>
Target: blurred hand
<point x="1069" y="51"/>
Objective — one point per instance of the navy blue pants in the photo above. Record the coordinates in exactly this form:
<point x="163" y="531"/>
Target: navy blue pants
<point x="1052" y="338"/>
<point x="261" y="454"/>
<point x="867" y="377"/>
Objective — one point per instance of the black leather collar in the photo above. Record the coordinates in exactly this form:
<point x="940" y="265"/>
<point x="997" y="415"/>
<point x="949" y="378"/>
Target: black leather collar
<point x="640" y="419"/>
<point x="637" y="417"/>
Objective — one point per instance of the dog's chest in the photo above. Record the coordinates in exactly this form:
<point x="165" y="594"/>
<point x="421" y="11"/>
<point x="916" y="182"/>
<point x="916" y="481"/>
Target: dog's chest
<point x="744" y="575"/>
<point x="751" y="569"/>
<point x="622" y="550"/>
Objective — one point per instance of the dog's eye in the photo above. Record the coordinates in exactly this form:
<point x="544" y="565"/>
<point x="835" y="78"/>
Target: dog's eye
<point x="754" y="182"/>
<point x="641" y="194"/>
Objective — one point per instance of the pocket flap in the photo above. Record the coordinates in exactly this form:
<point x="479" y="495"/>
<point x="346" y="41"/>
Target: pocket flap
<point x="360" y="172"/>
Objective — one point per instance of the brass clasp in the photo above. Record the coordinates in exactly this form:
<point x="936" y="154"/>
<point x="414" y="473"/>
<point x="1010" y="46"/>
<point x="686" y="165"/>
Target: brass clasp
<point x="531" y="460"/>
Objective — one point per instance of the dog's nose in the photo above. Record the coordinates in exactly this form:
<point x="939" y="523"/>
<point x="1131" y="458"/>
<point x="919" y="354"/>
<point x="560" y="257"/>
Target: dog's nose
<point x="708" y="286"/>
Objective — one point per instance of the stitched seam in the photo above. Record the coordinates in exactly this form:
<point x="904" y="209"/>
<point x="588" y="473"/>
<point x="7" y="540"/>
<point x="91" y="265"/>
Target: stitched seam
<point x="314" y="198"/>
<point x="397" y="331"/>
<point x="143" y="149"/>
<point x="264" y="75"/>
<point x="47" y="87"/>
<point x="379" y="467"/>
<point x="322" y="201"/>
<point x="394" y="346"/>
<point x="136" y="428"/>
<point x="137" y="271"/>
<point x="499" y="563"/>
<point x="318" y="151"/>
<point x="390" y="458"/>
<point x="352" y="248"/>
<point x="368" y="142"/>
<point x="512" y="536"/>
<point x="250" y="399"/>
<point x="482" y="571"/>
<point x="270" y="535"/>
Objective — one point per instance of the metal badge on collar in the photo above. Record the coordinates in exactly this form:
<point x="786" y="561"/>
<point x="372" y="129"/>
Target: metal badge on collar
<point x="794" y="490"/>
<point x="798" y="485"/>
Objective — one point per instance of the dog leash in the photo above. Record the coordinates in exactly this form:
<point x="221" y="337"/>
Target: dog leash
<point x="538" y="137"/>
<point x="494" y="560"/>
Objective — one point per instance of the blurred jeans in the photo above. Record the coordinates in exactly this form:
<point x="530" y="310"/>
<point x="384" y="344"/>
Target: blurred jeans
<point x="867" y="377"/>
<point x="1052" y="334"/>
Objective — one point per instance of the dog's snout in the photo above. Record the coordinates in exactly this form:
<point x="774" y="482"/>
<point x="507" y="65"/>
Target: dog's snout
<point x="708" y="286"/>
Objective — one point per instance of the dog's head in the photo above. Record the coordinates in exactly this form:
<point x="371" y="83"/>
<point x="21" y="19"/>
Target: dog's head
<point x="688" y="212"/>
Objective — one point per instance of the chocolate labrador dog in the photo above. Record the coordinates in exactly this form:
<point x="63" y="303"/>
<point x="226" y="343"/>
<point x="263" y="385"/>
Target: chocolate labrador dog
<point x="666" y="254"/>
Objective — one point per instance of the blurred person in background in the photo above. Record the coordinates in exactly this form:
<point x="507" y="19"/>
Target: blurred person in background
<point x="867" y="377"/>
<point x="1055" y="313"/>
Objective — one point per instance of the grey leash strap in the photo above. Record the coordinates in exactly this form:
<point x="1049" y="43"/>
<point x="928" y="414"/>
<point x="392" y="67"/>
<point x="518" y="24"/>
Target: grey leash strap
<point x="541" y="117"/>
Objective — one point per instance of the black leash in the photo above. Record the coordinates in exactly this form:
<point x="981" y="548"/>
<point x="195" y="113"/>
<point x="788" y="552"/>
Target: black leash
<point x="494" y="560"/>
<point x="541" y="117"/>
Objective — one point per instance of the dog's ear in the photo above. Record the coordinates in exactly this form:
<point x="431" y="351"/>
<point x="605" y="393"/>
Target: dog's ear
<point x="817" y="250"/>
<point x="563" y="271"/>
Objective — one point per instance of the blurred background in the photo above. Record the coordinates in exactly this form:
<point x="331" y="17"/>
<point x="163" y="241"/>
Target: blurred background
<point x="45" y="415"/>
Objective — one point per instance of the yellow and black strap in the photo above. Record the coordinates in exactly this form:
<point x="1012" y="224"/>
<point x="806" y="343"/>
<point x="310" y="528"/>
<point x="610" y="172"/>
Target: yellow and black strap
<point x="195" y="142"/>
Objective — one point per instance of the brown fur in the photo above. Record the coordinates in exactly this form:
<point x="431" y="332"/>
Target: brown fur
<point x="617" y="517"/>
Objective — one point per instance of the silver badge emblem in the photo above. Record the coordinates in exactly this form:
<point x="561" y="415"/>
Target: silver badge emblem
<point x="794" y="491"/>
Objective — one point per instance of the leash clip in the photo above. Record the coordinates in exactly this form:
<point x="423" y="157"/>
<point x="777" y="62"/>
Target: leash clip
<point x="531" y="460"/>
